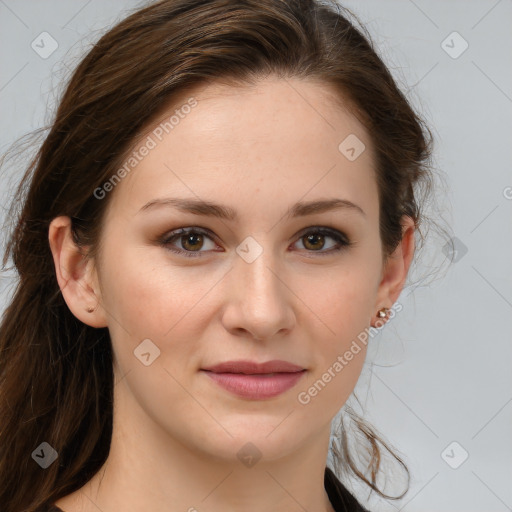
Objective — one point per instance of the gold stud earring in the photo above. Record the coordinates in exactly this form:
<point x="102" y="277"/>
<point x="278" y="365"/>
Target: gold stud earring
<point x="90" y="310"/>
<point x="383" y="312"/>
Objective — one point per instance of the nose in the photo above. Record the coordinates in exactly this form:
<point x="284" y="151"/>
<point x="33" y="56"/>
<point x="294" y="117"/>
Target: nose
<point x="260" y="303"/>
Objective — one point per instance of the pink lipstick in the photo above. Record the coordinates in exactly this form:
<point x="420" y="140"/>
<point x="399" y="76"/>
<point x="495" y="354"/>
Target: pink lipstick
<point x="255" y="381"/>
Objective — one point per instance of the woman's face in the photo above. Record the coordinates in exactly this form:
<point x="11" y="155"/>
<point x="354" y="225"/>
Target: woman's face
<point x="263" y="285"/>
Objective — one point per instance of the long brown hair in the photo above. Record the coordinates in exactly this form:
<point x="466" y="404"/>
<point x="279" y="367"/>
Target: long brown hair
<point x="56" y="374"/>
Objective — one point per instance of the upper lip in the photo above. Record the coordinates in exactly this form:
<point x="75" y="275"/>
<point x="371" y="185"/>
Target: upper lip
<point x="252" y="367"/>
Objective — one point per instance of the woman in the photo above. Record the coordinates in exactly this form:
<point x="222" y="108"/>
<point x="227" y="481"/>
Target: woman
<point x="225" y="204"/>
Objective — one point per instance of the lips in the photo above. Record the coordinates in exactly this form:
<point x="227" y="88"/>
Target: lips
<point x="255" y="381"/>
<point x="252" y="367"/>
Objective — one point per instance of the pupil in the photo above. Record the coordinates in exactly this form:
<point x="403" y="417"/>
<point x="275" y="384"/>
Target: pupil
<point x="188" y="238"/>
<point x="313" y="237"/>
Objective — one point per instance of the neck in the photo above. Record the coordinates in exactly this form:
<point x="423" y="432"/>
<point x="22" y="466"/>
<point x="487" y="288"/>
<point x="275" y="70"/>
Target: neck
<point x="148" y="469"/>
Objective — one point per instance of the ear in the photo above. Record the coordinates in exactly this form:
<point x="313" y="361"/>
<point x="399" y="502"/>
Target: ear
<point x="394" y="272"/>
<point x="76" y="274"/>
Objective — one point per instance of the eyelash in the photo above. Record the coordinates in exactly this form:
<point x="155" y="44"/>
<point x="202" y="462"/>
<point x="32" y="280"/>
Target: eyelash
<point x="342" y="240"/>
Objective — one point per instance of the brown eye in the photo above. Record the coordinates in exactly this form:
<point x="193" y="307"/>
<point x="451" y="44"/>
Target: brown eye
<point x="192" y="240"/>
<point x="314" y="240"/>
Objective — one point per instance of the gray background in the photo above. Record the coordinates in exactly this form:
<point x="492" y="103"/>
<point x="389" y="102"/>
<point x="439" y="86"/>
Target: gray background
<point x="440" y="371"/>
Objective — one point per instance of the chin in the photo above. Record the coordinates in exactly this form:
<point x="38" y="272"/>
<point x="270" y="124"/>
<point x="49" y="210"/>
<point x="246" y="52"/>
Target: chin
<point x="257" y="438"/>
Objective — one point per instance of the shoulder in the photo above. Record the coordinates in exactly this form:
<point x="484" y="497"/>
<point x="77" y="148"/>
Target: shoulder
<point x="341" y="499"/>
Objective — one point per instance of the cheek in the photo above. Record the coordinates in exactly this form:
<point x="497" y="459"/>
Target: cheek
<point x="339" y="351"/>
<point x="147" y="297"/>
<point x="144" y="293"/>
<point x="340" y="299"/>
<point x="340" y="309"/>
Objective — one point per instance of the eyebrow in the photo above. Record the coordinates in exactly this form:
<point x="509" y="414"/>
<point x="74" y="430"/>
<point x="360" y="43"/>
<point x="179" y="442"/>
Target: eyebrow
<point x="211" y="209"/>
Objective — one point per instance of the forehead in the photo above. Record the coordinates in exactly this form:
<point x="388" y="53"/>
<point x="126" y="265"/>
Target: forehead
<point x="278" y="136"/>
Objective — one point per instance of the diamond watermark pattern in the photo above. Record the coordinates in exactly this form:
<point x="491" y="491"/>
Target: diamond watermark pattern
<point x="45" y="455"/>
<point x="352" y="147"/>
<point x="44" y="45"/>
<point x="249" y="455"/>
<point x="454" y="45"/>
<point x="455" y="249"/>
<point x="146" y="352"/>
<point x="249" y="249"/>
<point x="454" y="455"/>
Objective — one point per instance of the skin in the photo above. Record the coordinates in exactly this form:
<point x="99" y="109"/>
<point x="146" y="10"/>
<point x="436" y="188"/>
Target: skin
<point x="176" y="435"/>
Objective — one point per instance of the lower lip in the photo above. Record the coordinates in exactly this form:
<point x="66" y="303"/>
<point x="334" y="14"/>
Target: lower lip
<point x="256" y="387"/>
